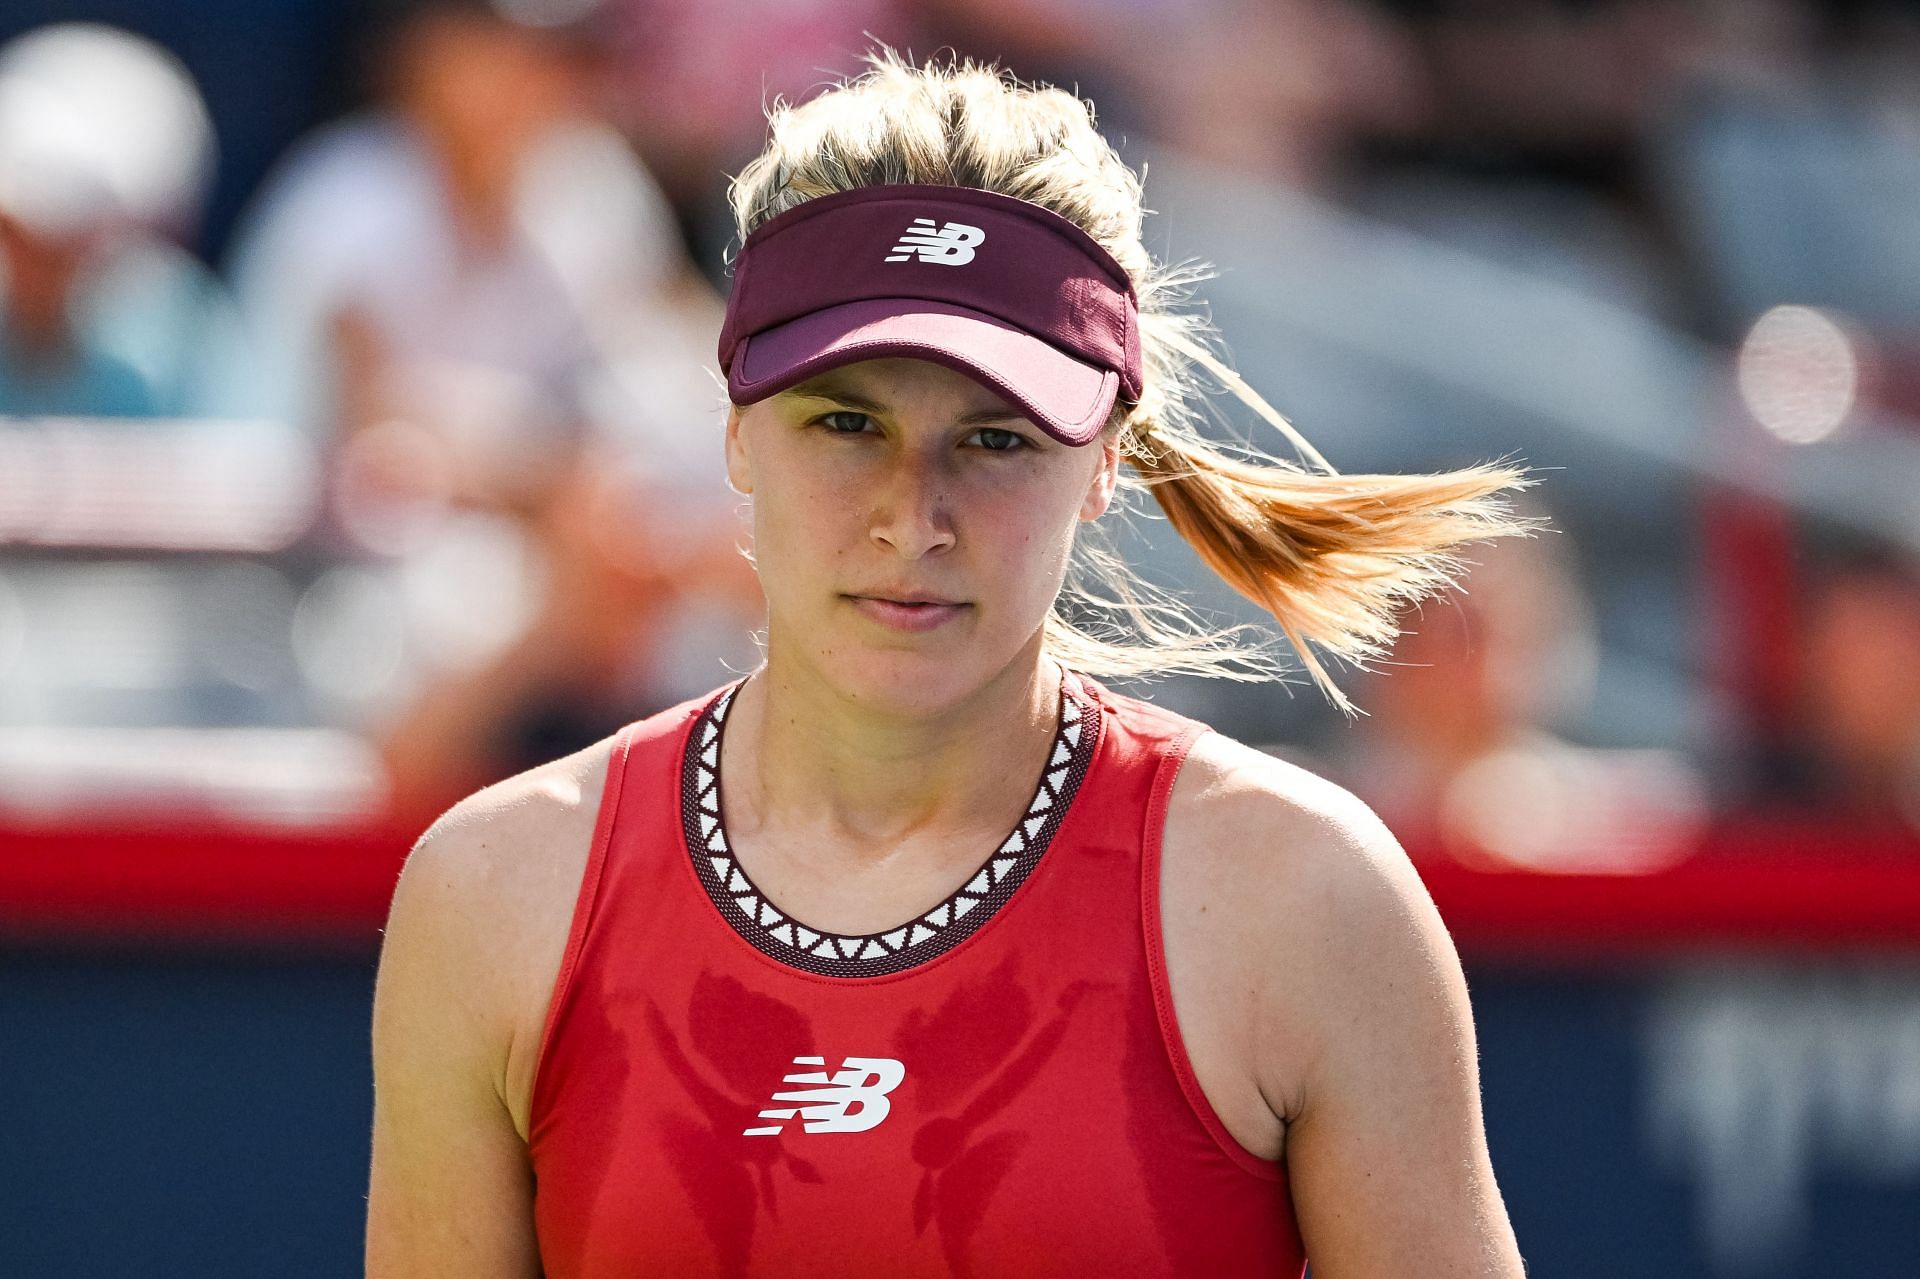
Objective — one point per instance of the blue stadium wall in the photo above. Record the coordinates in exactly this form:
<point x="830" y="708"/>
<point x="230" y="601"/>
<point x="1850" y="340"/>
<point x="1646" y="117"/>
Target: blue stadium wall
<point x="178" y="1113"/>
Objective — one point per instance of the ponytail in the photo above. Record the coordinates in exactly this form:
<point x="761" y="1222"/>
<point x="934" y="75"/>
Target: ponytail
<point x="1331" y="557"/>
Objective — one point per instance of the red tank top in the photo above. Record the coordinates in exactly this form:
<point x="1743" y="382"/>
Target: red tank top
<point x="994" y="1088"/>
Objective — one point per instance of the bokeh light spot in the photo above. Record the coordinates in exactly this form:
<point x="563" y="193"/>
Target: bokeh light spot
<point x="1798" y="373"/>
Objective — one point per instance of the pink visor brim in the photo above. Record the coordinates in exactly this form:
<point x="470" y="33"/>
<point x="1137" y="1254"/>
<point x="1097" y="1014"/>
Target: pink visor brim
<point x="1067" y="398"/>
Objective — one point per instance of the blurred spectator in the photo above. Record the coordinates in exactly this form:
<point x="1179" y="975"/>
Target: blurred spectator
<point x="644" y="599"/>
<point x="105" y="152"/>
<point x="480" y="306"/>
<point x="1460" y="750"/>
<point x="1530" y="151"/>
<point x="436" y="276"/>
<point x="1856" y="755"/>
<point x="1563" y="85"/>
<point x="693" y="80"/>
<point x="1791" y="165"/>
<point x="1279" y="89"/>
<point x="1286" y="91"/>
<point x="1413" y="310"/>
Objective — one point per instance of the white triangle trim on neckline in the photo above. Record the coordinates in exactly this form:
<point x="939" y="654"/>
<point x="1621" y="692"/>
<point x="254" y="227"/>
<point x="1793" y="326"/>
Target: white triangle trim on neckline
<point x="929" y="926"/>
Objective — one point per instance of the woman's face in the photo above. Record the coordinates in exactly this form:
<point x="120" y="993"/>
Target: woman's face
<point x="911" y="529"/>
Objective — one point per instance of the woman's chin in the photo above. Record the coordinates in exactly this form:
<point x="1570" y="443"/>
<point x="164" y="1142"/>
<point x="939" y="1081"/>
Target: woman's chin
<point x="913" y="681"/>
<point x="911" y="685"/>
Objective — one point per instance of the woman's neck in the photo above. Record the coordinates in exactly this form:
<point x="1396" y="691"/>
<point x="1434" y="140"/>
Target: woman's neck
<point x="804" y="761"/>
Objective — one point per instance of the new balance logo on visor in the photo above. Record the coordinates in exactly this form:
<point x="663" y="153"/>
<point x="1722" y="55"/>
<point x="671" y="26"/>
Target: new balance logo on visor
<point x="951" y="243"/>
<point x="861" y="1082"/>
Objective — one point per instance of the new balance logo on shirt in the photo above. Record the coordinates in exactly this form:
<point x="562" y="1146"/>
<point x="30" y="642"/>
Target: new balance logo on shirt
<point x="861" y="1083"/>
<point x="951" y="243"/>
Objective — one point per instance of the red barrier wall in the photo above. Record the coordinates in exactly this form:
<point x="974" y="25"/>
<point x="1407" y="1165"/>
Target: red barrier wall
<point x="1761" y="886"/>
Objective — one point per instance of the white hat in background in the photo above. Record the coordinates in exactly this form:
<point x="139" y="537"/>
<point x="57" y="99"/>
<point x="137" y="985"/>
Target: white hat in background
<point x="98" y="126"/>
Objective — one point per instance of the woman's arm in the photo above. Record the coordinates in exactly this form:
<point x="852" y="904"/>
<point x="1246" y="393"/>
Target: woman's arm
<point x="1389" y="1151"/>
<point x="451" y="1192"/>
<point x="1386" y="1147"/>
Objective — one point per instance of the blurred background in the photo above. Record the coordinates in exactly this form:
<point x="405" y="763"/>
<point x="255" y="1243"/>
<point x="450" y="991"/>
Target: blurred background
<point x="359" y="446"/>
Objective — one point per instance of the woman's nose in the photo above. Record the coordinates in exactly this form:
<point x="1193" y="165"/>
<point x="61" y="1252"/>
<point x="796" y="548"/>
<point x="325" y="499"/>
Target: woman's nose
<point x="911" y="516"/>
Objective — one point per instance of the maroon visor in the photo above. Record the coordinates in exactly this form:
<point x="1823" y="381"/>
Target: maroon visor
<point x="1011" y="294"/>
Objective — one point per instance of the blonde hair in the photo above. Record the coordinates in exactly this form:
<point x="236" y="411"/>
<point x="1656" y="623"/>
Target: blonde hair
<point x="1333" y="558"/>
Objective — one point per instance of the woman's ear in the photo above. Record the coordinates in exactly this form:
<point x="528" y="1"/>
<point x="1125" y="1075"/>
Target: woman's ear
<point x="1100" y="491"/>
<point x="739" y="457"/>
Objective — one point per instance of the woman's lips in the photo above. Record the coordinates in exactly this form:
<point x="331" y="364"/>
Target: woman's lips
<point x="901" y="616"/>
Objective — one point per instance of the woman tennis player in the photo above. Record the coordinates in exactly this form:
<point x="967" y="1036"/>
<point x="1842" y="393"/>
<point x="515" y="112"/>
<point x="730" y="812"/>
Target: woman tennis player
<point x="918" y="952"/>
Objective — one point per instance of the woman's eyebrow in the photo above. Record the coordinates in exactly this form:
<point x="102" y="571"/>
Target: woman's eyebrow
<point x="986" y="417"/>
<point x="821" y="389"/>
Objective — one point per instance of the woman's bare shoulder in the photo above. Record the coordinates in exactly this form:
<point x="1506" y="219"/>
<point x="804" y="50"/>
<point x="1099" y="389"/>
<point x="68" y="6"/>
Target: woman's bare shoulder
<point x="1269" y="821"/>
<point x="490" y="889"/>
<point x="506" y="842"/>
<point x="1309" y="894"/>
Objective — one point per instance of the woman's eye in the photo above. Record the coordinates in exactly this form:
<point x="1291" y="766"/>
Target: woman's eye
<point x="999" y="441"/>
<point x="845" y="422"/>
